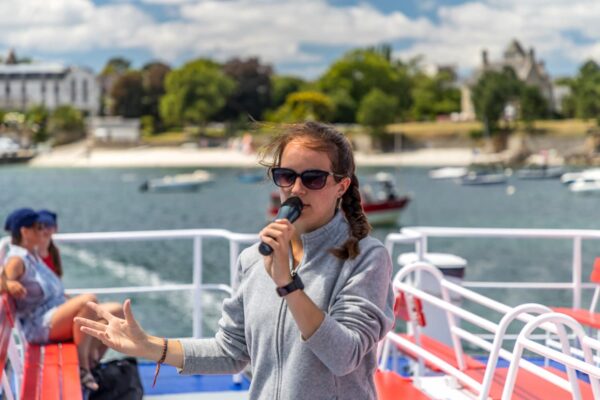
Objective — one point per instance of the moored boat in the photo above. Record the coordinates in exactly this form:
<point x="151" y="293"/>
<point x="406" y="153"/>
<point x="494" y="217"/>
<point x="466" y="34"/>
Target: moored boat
<point x="448" y="172"/>
<point x="540" y="172"/>
<point x="583" y="185"/>
<point x="181" y="182"/>
<point x="570" y="177"/>
<point x="482" y="178"/>
<point x="441" y="370"/>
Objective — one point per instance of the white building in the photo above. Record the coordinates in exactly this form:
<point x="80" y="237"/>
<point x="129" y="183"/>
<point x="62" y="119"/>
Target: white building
<point x="47" y="84"/>
<point x="115" y="130"/>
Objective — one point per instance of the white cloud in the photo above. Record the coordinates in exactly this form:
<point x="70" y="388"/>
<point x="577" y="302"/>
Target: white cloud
<point x="287" y="31"/>
<point x="464" y="30"/>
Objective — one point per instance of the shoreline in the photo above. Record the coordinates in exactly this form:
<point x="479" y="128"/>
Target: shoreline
<point x="77" y="156"/>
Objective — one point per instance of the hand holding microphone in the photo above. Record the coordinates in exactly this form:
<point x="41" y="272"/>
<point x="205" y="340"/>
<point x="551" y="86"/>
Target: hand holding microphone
<point x="290" y="210"/>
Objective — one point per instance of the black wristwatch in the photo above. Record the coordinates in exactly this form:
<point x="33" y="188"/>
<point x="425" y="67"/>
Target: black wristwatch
<point x="292" y="286"/>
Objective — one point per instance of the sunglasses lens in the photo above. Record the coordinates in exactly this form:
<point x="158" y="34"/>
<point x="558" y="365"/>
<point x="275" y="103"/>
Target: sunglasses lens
<point x="284" y="177"/>
<point x="314" y="180"/>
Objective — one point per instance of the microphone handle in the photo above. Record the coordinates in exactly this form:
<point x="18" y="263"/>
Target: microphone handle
<point x="291" y="214"/>
<point x="265" y="249"/>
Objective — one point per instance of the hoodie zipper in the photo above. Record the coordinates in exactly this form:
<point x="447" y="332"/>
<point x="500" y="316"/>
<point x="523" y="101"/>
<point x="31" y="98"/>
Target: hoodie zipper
<point x="278" y="348"/>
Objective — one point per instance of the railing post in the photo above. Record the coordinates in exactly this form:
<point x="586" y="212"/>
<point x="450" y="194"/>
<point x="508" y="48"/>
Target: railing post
<point x="197" y="293"/>
<point x="577" y="272"/>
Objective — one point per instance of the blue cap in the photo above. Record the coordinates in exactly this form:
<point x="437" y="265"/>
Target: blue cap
<point x="19" y="218"/>
<point x="47" y="217"/>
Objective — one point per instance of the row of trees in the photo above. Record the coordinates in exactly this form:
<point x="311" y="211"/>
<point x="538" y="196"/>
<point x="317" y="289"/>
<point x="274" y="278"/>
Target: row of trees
<point x="364" y="86"/>
<point x="584" y="101"/>
<point x="64" y="124"/>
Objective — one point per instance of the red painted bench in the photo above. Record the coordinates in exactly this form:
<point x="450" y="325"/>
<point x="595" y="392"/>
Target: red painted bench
<point x="391" y="386"/>
<point x="588" y="317"/>
<point x="50" y="372"/>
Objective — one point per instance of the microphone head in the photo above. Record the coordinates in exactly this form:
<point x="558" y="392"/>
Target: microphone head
<point x="290" y="209"/>
<point x="294" y="202"/>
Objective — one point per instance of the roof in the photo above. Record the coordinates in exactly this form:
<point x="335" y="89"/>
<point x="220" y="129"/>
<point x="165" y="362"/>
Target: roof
<point x="33" y="69"/>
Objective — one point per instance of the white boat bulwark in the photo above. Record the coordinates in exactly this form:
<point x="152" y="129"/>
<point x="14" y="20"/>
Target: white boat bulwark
<point x="181" y="182"/>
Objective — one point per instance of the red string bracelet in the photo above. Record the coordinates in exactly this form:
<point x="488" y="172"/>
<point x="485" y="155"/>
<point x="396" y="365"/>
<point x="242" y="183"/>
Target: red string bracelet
<point x="161" y="360"/>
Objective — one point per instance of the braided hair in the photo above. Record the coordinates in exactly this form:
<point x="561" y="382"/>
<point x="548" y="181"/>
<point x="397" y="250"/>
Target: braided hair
<point x="322" y="137"/>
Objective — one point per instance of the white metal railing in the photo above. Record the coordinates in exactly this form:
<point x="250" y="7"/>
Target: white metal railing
<point x="236" y="240"/>
<point x="523" y="313"/>
<point x="419" y="237"/>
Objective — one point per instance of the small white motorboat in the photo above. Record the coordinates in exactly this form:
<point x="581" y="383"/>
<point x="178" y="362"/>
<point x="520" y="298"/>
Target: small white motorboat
<point x="448" y="172"/>
<point x="180" y="182"/>
<point x="588" y="174"/>
<point x="540" y="172"/>
<point x="583" y="185"/>
<point x="482" y="178"/>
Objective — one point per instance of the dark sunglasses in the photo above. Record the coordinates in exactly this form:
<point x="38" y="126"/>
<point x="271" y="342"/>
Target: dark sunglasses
<point x="313" y="179"/>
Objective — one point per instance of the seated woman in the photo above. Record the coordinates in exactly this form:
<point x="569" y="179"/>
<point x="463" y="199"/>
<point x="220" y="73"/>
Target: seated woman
<point x="45" y="314"/>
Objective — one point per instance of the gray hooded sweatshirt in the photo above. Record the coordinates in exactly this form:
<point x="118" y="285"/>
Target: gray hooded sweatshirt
<point x="339" y="360"/>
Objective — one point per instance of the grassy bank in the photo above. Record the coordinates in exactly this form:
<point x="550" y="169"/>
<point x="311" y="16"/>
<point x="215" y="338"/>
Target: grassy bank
<point x="565" y="127"/>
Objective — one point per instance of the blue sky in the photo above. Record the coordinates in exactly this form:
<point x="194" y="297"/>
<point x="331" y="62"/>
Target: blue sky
<point x="299" y="37"/>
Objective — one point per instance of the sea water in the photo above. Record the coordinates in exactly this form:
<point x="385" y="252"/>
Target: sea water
<point x="100" y="200"/>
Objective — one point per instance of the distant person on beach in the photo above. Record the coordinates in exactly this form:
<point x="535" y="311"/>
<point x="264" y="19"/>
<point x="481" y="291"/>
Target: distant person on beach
<point x="44" y="312"/>
<point x="308" y="316"/>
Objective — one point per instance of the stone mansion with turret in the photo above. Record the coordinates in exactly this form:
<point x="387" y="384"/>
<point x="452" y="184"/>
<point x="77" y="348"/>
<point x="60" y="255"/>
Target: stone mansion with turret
<point x="527" y="68"/>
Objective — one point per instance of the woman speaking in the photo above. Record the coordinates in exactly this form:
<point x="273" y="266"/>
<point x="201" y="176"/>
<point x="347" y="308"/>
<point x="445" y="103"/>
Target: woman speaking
<point x="308" y="316"/>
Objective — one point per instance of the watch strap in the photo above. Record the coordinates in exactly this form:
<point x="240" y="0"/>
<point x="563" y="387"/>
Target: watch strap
<point x="294" y="285"/>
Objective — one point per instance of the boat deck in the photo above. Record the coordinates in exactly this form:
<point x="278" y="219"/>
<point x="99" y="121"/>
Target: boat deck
<point x="171" y="385"/>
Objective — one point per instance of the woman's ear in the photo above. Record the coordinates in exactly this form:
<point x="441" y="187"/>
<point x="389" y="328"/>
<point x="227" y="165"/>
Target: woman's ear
<point x="344" y="185"/>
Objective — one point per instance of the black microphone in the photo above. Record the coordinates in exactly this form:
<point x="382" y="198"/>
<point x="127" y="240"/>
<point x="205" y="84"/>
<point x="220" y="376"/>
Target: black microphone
<point x="290" y="210"/>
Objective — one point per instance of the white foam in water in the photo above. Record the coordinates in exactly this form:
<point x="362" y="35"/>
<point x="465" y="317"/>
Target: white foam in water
<point x="128" y="274"/>
<point x="137" y="275"/>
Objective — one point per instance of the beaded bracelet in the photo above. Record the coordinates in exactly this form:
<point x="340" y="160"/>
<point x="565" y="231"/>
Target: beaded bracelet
<point x="161" y="360"/>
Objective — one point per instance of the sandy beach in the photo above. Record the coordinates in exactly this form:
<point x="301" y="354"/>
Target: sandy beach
<point x="77" y="156"/>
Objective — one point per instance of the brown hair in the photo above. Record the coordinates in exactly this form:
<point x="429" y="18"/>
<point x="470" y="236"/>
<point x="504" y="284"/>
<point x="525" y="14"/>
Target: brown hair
<point x="55" y="254"/>
<point x="325" y="138"/>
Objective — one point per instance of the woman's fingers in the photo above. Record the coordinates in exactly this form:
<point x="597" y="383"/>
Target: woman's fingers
<point x="91" y="324"/>
<point x="100" y="312"/>
<point x="94" y="333"/>
<point x="129" y="314"/>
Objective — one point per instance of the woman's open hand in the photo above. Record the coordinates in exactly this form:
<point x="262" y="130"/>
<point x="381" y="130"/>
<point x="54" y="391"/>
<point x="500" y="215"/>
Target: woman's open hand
<point x="124" y="335"/>
<point x="278" y="235"/>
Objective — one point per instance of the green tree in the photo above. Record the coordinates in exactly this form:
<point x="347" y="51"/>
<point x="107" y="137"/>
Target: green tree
<point x="585" y="91"/>
<point x="37" y="120"/>
<point x="360" y="71"/>
<point x="127" y="95"/>
<point x="282" y="86"/>
<point x="252" y="93"/>
<point x="114" y="68"/>
<point x="153" y="81"/>
<point x="194" y="93"/>
<point x="377" y="109"/>
<point x="492" y="92"/>
<point x="304" y="106"/>
<point x="433" y="96"/>
<point x="533" y="105"/>
<point x="66" y="124"/>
